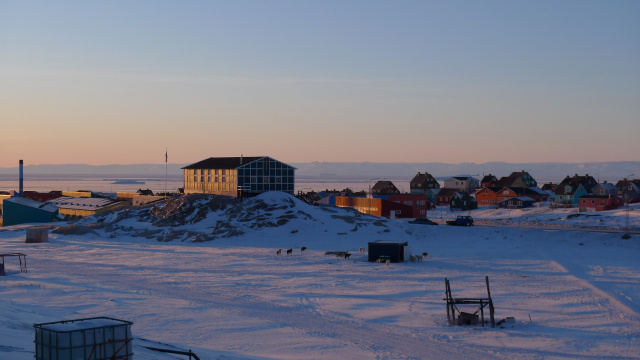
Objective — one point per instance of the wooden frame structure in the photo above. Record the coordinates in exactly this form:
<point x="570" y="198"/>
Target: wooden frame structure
<point x="483" y="302"/>
<point x="21" y="257"/>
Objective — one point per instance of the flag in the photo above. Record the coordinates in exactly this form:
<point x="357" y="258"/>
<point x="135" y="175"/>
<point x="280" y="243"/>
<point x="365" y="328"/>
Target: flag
<point x="166" y="156"/>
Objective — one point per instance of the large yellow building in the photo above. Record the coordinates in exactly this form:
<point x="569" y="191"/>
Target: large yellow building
<point x="238" y="176"/>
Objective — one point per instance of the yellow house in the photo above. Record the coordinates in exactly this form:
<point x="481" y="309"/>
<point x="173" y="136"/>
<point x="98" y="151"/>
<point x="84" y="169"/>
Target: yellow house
<point x="238" y="176"/>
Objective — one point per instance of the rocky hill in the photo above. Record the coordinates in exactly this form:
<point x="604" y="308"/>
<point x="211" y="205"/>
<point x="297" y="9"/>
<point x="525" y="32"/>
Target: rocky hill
<point x="200" y="218"/>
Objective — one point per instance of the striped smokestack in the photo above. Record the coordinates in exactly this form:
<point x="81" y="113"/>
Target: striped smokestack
<point x="20" y="187"/>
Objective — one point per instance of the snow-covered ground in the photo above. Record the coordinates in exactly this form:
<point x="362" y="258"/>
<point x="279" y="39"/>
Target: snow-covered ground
<point x="204" y="275"/>
<point x="544" y="216"/>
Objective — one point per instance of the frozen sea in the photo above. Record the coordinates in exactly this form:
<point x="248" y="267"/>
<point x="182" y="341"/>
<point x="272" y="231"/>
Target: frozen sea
<point x="157" y="183"/>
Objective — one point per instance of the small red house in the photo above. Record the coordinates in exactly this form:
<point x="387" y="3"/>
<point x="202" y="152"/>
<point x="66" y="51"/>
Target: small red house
<point x="444" y="196"/>
<point x="599" y="202"/>
<point x="418" y="203"/>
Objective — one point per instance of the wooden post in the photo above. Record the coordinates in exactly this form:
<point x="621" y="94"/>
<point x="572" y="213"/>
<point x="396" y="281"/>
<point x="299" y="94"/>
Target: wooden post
<point x="446" y="292"/>
<point x="491" y="309"/>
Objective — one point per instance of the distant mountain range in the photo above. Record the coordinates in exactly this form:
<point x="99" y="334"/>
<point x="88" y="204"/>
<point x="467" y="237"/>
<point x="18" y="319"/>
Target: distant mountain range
<point x="542" y="172"/>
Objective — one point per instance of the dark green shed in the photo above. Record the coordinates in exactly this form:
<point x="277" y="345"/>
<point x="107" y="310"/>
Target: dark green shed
<point x="19" y="210"/>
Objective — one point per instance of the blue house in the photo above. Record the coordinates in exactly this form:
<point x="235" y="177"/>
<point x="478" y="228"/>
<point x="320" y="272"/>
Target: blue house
<point x="571" y="188"/>
<point x="568" y="195"/>
<point x="516" y="202"/>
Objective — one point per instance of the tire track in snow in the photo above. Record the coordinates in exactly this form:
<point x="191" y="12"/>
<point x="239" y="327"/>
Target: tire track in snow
<point x="384" y="341"/>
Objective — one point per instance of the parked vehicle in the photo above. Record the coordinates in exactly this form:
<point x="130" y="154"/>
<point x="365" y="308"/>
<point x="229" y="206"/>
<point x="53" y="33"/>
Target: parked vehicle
<point x="461" y="220"/>
<point x="422" y="221"/>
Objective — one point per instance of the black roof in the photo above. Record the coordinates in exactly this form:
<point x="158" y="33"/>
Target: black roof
<point x="448" y="192"/>
<point x="586" y="181"/>
<point x="488" y="178"/>
<point x="223" y="162"/>
<point x="421" y="178"/>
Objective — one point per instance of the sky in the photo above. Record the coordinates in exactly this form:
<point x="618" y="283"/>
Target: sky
<point x="302" y="81"/>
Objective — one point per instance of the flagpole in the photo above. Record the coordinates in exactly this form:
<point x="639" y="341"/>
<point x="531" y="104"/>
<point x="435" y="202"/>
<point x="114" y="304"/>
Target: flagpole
<point x="166" y="159"/>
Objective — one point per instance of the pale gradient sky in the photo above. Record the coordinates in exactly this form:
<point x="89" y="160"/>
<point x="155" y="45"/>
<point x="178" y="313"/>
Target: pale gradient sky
<point x="117" y="82"/>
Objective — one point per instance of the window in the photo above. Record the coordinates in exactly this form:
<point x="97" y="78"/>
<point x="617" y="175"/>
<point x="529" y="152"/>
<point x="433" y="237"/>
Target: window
<point x="593" y="201"/>
<point x="254" y="179"/>
<point x="266" y="180"/>
<point x="278" y="180"/>
<point x="408" y="202"/>
<point x="208" y="175"/>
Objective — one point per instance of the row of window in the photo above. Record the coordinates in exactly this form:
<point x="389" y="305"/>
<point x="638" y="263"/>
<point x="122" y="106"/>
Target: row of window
<point x="210" y="176"/>
<point x="244" y="181"/>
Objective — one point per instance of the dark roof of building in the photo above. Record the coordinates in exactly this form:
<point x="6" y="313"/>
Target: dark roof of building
<point x="623" y="183"/>
<point x="503" y="182"/>
<point x="223" y="162"/>
<point x="420" y="178"/>
<point x="507" y="181"/>
<point x="382" y="185"/>
<point x="586" y="181"/>
<point x="447" y="192"/>
<point x="488" y="178"/>
<point x="549" y="186"/>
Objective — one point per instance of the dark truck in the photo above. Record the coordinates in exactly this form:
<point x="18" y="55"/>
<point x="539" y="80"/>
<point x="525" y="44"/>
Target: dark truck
<point x="461" y="221"/>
